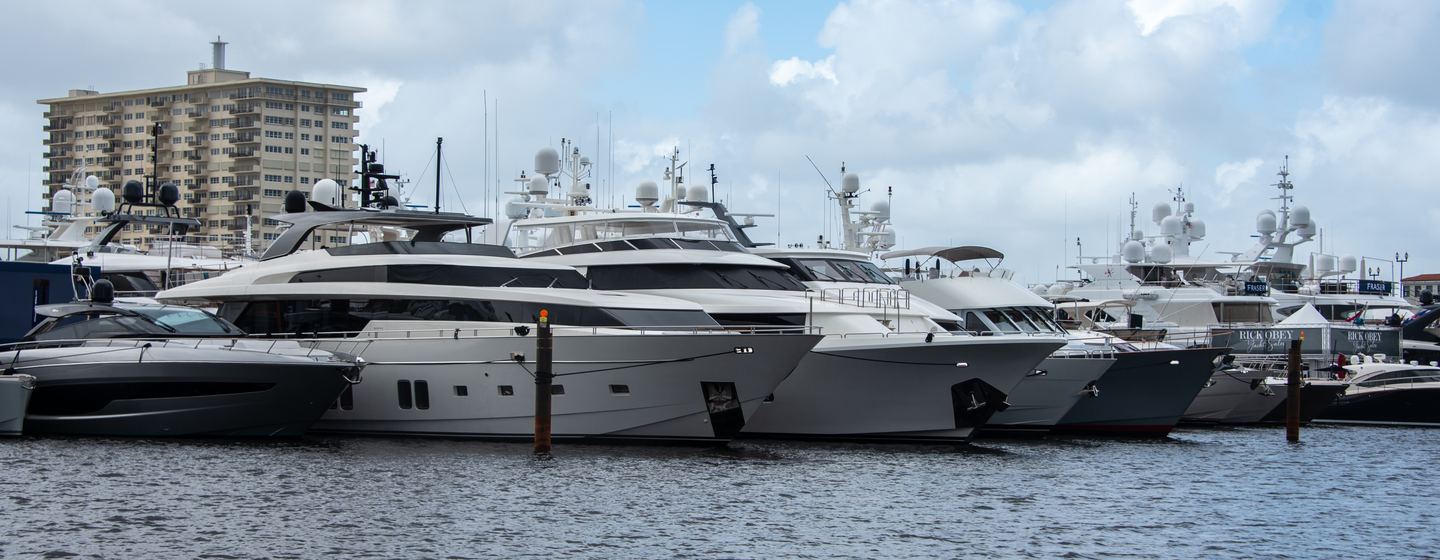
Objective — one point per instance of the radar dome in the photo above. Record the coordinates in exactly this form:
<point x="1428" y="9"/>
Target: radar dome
<point x="584" y="161"/>
<point x="1058" y="289"/>
<point x="547" y="161"/>
<point x="1189" y="207"/>
<point x="63" y="201"/>
<point x="1133" y="251"/>
<point x="539" y="185"/>
<point x="1308" y="230"/>
<point x="698" y="193"/>
<point x="647" y="194"/>
<point x="1197" y="229"/>
<point x="327" y="192"/>
<point x="1159" y="212"/>
<point x="168" y="194"/>
<point x="1324" y="264"/>
<point x="1136" y="235"/>
<point x="1265" y="223"/>
<point x="294" y="202"/>
<point x="881" y="209"/>
<point x="103" y="200"/>
<point x="1171" y="225"/>
<point x="1299" y="216"/>
<point x="92" y="181"/>
<point x="1160" y="254"/>
<point x="850" y="183"/>
<point x="133" y="192"/>
<point x="1348" y="264"/>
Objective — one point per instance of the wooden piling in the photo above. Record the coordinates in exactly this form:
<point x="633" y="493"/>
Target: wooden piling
<point x="1292" y="394"/>
<point x="544" y="377"/>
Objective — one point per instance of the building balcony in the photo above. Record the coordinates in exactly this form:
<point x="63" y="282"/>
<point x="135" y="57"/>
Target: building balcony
<point x="247" y="124"/>
<point x="244" y="169"/>
<point x="112" y="108"/>
<point x="351" y="103"/>
<point x="159" y="102"/>
<point x="246" y="109"/>
<point x="241" y="139"/>
<point x="245" y="154"/>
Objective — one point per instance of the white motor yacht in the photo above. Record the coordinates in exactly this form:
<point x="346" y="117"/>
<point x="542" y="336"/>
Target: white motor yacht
<point x="883" y="371"/>
<point x="447" y="327"/>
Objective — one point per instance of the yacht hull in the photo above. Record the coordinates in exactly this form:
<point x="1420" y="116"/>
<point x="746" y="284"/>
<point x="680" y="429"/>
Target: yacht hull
<point x="14" y="396"/>
<point x="1040" y="401"/>
<point x="1409" y="406"/>
<point x="178" y="392"/>
<point x="607" y="387"/>
<point x="897" y="389"/>
<point x="1315" y="397"/>
<point x="1234" y="397"/>
<point x="1143" y="394"/>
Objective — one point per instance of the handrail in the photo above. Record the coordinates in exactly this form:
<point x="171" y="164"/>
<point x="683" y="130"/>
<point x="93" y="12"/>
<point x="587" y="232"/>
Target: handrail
<point x="883" y="298"/>
<point x="252" y="345"/>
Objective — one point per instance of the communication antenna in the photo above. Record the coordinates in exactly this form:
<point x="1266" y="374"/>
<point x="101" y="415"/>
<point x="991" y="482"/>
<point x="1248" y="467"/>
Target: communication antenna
<point x="822" y="173"/>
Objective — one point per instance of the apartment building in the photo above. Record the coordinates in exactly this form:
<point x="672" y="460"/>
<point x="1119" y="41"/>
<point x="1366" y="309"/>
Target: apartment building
<point x="234" y="145"/>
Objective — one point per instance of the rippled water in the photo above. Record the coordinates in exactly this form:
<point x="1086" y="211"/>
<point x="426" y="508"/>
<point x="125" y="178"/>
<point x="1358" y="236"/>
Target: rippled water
<point x="1242" y="492"/>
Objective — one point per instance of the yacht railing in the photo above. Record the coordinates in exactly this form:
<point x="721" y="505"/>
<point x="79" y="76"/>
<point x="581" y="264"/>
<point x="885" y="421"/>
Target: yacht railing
<point x="522" y="331"/>
<point x="881" y="298"/>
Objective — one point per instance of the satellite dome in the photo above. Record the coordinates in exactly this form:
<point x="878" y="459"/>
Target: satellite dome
<point x="1348" y="264"/>
<point x="584" y="161"/>
<point x="647" y="194"/>
<point x="1171" y="225"/>
<point x="547" y="161"/>
<point x="881" y="209"/>
<point x="1189" y="207"/>
<point x="1159" y="212"/>
<point x="1133" y="251"/>
<point x="133" y="192"/>
<point x="1136" y="235"/>
<point x="92" y="181"/>
<point x="1197" y="229"/>
<point x="1160" y="254"/>
<point x="850" y="183"/>
<point x="1324" y="264"/>
<point x="168" y="194"/>
<point x="327" y="192"/>
<point x="1058" y="289"/>
<point x="1299" y="216"/>
<point x="698" y="193"/>
<point x="539" y="185"/>
<point x="1265" y="223"/>
<point x="103" y="200"/>
<point x="294" y="202"/>
<point x="1308" y="230"/>
<point x="514" y="210"/>
<point x="63" y="201"/>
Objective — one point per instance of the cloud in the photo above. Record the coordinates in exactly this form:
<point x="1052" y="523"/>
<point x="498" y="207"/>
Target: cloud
<point x="1230" y="175"/>
<point x="791" y="70"/>
<point x="1384" y="49"/>
<point x="742" y="28"/>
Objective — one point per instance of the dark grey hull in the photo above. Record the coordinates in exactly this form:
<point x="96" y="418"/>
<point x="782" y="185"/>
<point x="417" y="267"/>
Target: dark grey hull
<point x="1042" y="400"/>
<point x="14" y="396"/>
<point x="180" y="398"/>
<point x="1143" y="394"/>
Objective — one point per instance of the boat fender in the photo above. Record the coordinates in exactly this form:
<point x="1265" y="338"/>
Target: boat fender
<point x="522" y="330"/>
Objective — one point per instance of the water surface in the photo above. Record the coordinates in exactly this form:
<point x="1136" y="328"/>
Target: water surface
<point x="1237" y="492"/>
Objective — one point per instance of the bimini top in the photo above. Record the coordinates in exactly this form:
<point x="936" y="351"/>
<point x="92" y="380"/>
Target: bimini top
<point x="429" y="227"/>
<point x="952" y="254"/>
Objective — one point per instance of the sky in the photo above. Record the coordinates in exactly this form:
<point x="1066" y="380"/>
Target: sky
<point x="1023" y="126"/>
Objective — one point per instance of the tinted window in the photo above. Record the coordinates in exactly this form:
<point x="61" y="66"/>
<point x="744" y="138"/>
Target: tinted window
<point x="1000" y="320"/>
<point x="761" y="319"/>
<point x="449" y="275"/>
<point x="186" y="321"/>
<point x="345" y="315"/>
<point x="691" y="276"/>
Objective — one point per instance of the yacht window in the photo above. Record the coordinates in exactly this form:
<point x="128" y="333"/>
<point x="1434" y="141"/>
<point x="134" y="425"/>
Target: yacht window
<point x="422" y="395"/>
<point x="345" y="315"/>
<point x="863" y="272"/>
<point x="578" y="249"/>
<point x="422" y="248"/>
<point x="1047" y="315"/>
<point x="183" y="320"/>
<point x="113" y="326"/>
<point x="653" y="243"/>
<point x="975" y="324"/>
<point x="1000" y="321"/>
<point x="690" y="276"/>
<point x="403" y="394"/>
<point x="826" y="271"/>
<point x="760" y="319"/>
<point x="462" y="391"/>
<point x="131" y="283"/>
<point x="557" y="389"/>
<point x="506" y="390"/>
<point x="1020" y="321"/>
<point x="1227" y="312"/>
<point x="449" y="275"/>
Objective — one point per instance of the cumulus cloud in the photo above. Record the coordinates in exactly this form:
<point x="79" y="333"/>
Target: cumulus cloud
<point x="791" y="70"/>
<point x="742" y="27"/>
